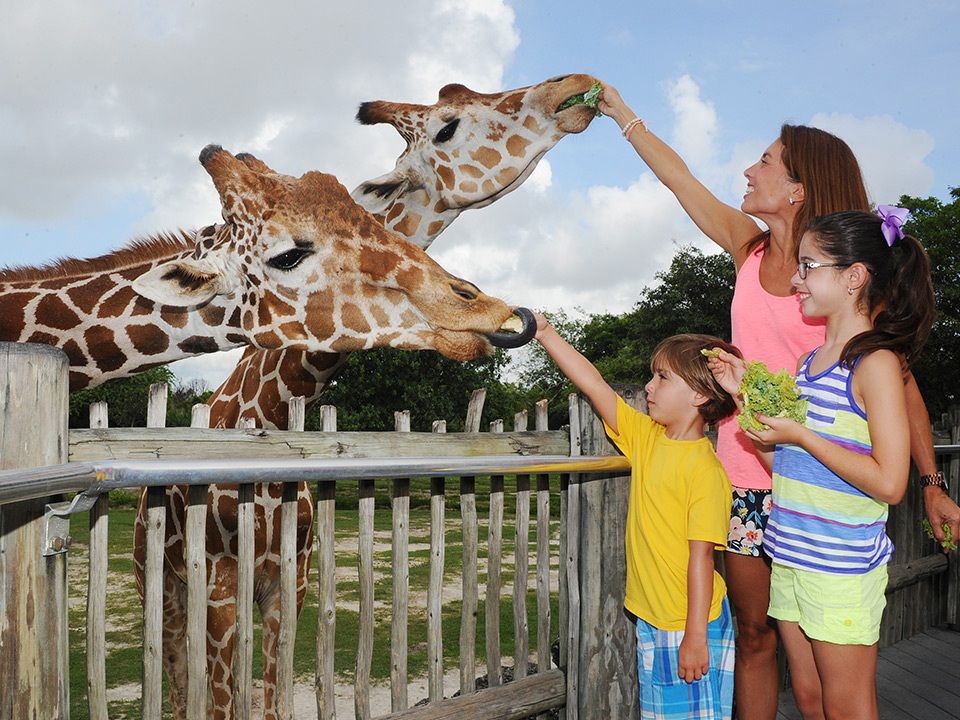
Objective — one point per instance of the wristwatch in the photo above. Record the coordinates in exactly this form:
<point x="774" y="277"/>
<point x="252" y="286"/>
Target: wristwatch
<point x="935" y="480"/>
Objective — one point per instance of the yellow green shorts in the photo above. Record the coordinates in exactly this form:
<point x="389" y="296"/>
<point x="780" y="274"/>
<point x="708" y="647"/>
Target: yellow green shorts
<point x="839" y="609"/>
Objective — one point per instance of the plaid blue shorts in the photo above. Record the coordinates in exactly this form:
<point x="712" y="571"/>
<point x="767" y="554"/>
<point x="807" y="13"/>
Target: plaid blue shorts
<point x="664" y="695"/>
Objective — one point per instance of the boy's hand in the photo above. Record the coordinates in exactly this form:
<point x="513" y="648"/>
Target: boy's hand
<point x="694" y="659"/>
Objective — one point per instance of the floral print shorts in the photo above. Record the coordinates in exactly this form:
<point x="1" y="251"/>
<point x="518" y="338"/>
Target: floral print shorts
<point x="748" y="519"/>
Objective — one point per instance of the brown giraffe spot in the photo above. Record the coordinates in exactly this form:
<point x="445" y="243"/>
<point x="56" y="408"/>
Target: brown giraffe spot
<point x="13" y="322"/>
<point x="511" y="104"/>
<point x="517" y="146"/>
<point x="396" y="211"/>
<point x="292" y="331"/>
<point x="353" y="318"/>
<point x="212" y="315"/>
<point x="507" y="176"/>
<point x="175" y="317"/>
<point x="446" y="176"/>
<point x="53" y="312"/>
<point x="198" y="344"/>
<point x="268" y="339"/>
<point x="435" y="227"/>
<point x="472" y="171"/>
<point x="468" y="187"/>
<point x="86" y="296"/>
<point x="530" y="122"/>
<point x="408" y="226"/>
<point x="379" y="263"/>
<point x="488" y="157"/>
<point x="110" y="356"/>
<point x="117" y="303"/>
<point x="148" y="339"/>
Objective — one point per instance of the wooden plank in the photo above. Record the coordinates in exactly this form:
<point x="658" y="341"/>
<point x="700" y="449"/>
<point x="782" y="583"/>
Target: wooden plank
<point x="521" y="576"/>
<point x="511" y="701"/>
<point x="231" y="444"/>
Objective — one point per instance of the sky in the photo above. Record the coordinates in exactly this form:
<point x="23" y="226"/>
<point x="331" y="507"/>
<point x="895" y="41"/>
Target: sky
<point x="106" y="104"/>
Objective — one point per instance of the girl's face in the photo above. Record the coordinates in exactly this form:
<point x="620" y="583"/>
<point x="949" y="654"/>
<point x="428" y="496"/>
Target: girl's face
<point x="822" y="286"/>
<point x="769" y="186"/>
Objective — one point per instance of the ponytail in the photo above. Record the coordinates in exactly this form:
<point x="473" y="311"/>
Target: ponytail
<point x="898" y="294"/>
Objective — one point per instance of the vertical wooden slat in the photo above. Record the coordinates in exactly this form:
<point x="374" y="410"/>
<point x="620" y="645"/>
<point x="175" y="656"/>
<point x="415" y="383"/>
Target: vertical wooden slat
<point x="401" y="581"/>
<point x="246" y="552"/>
<point x="435" y="582"/>
<point x="468" y="615"/>
<point x="521" y="576"/>
<point x="287" y="633"/>
<point x="97" y="591"/>
<point x="570" y="559"/>
<point x="494" y="573"/>
<point x="953" y="582"/>
<point x="327" y="588"/>
<point x="361" y="686"/>
<point x="155" y="539"/>
<point x="195" y="560"/>
<point x="543" y="556"/>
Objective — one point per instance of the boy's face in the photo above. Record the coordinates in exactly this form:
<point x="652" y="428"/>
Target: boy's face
<point x="669" y="398"/>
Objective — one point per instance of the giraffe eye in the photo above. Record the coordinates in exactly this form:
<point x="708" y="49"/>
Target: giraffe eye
<point x="289" y="260"/>
<point x="447" y="131"/>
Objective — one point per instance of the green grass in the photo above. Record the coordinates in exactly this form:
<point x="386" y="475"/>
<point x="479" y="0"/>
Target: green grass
<point x="124" y="613"/>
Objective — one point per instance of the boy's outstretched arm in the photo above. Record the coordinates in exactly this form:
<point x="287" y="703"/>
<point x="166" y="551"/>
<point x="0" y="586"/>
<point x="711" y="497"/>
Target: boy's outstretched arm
<point x="581" y="371"/>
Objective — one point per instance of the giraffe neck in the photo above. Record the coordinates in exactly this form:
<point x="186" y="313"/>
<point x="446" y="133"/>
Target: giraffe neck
<point x="90" y="310"/>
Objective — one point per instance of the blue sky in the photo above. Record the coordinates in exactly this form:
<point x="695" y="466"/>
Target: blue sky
<point x="105" y="104"/>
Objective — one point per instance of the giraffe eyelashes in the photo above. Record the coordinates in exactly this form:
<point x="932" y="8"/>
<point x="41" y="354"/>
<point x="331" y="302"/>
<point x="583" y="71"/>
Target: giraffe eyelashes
<point x="447" y="131"/>
<point x="289" y="260"/>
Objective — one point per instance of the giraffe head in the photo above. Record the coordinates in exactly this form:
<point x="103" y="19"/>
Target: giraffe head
<point x="467" y="150"/>
<point x="298" y="264"/>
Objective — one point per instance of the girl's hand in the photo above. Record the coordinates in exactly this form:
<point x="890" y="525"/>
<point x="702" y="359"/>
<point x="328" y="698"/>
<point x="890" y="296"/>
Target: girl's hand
<point x="728" y="371"/>
<point x="694" y="660"/>
<point x="780" y="431"/>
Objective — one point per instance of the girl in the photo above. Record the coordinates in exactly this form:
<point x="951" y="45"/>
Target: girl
<point x="834" y="477"/>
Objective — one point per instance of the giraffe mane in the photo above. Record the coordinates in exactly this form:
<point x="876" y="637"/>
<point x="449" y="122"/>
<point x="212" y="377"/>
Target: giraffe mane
<point x="138" y="250"/>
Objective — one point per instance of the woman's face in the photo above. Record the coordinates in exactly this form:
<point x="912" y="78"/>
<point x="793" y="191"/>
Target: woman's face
<point x="769" y="187"/>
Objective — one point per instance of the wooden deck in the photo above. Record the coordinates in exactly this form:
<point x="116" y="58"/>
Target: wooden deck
<point x="917" y="678"/>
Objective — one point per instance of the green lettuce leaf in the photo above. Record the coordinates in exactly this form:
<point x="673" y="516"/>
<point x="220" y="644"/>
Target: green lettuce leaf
<point x="773" y="394"/>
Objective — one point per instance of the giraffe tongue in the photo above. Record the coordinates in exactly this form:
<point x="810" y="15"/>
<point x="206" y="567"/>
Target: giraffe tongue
<point x="517" y="331"/>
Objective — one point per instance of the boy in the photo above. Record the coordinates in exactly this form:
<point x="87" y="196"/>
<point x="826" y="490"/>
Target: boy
<point x="678" y="515"/>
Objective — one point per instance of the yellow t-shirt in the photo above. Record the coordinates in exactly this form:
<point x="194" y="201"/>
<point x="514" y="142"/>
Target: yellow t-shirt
<point x="678" y="492"/>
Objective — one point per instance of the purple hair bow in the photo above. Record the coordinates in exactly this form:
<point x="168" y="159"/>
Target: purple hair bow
<point x="893" y="217"/>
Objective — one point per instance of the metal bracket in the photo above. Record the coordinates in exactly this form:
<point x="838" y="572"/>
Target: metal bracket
<point x="56" y="523"/>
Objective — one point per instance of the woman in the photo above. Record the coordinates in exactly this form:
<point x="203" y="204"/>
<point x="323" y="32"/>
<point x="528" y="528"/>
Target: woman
<point x="803" y="174"/>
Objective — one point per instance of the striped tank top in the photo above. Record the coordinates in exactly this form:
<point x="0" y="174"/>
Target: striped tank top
<point x="819" y="521"/>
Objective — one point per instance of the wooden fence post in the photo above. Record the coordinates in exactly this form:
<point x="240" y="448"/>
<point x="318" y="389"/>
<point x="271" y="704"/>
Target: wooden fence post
<point x="34" y="678"/>
<point x="607" y="674"/>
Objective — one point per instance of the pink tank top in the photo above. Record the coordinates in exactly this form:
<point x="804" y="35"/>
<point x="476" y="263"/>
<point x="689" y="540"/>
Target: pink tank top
<point x="770" y="328"/>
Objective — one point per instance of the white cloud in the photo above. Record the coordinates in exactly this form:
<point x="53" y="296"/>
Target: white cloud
<point x="892" y="156"/>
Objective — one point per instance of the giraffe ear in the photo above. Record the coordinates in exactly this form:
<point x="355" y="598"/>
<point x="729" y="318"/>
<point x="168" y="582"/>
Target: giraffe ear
<point x="182" y="282"/>
<point x="377" y="195"/>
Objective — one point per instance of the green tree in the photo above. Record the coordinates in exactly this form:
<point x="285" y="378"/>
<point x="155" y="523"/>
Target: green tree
<point x="376" y="383"/>
<point x="127" y="399"/>
<point x="693" y="296"/>
<point x="937" y="226"/>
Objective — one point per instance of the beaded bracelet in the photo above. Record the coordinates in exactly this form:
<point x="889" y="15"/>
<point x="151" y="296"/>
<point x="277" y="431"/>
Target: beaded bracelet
<point x="628" y="128"/>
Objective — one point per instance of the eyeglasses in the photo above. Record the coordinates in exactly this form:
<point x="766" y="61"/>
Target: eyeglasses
<point x="802" y="267"/>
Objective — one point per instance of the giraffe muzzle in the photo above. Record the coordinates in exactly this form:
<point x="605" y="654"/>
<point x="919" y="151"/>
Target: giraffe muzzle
<point x="515" y="333"/>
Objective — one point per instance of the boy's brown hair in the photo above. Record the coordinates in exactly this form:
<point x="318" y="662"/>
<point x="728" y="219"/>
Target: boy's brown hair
<point x="681" y="354"/>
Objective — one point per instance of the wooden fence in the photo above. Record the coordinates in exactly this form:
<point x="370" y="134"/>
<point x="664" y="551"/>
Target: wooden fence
<point x="578" y="560"/>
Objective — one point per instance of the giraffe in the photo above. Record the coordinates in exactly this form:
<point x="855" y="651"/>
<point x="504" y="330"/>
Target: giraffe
<point x="466" y="151"/>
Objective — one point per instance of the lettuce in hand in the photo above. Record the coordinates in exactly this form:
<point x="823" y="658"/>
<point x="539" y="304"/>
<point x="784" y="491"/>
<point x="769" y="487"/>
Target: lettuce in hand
<point x="772" y="394"/>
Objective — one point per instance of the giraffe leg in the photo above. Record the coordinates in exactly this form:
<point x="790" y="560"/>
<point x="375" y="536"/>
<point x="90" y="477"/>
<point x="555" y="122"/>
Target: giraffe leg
<point x="175" y="640"/>
<point x="221" y="642"/>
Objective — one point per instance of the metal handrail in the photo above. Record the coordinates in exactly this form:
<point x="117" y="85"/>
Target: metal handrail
<point x="96" y="478"/>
